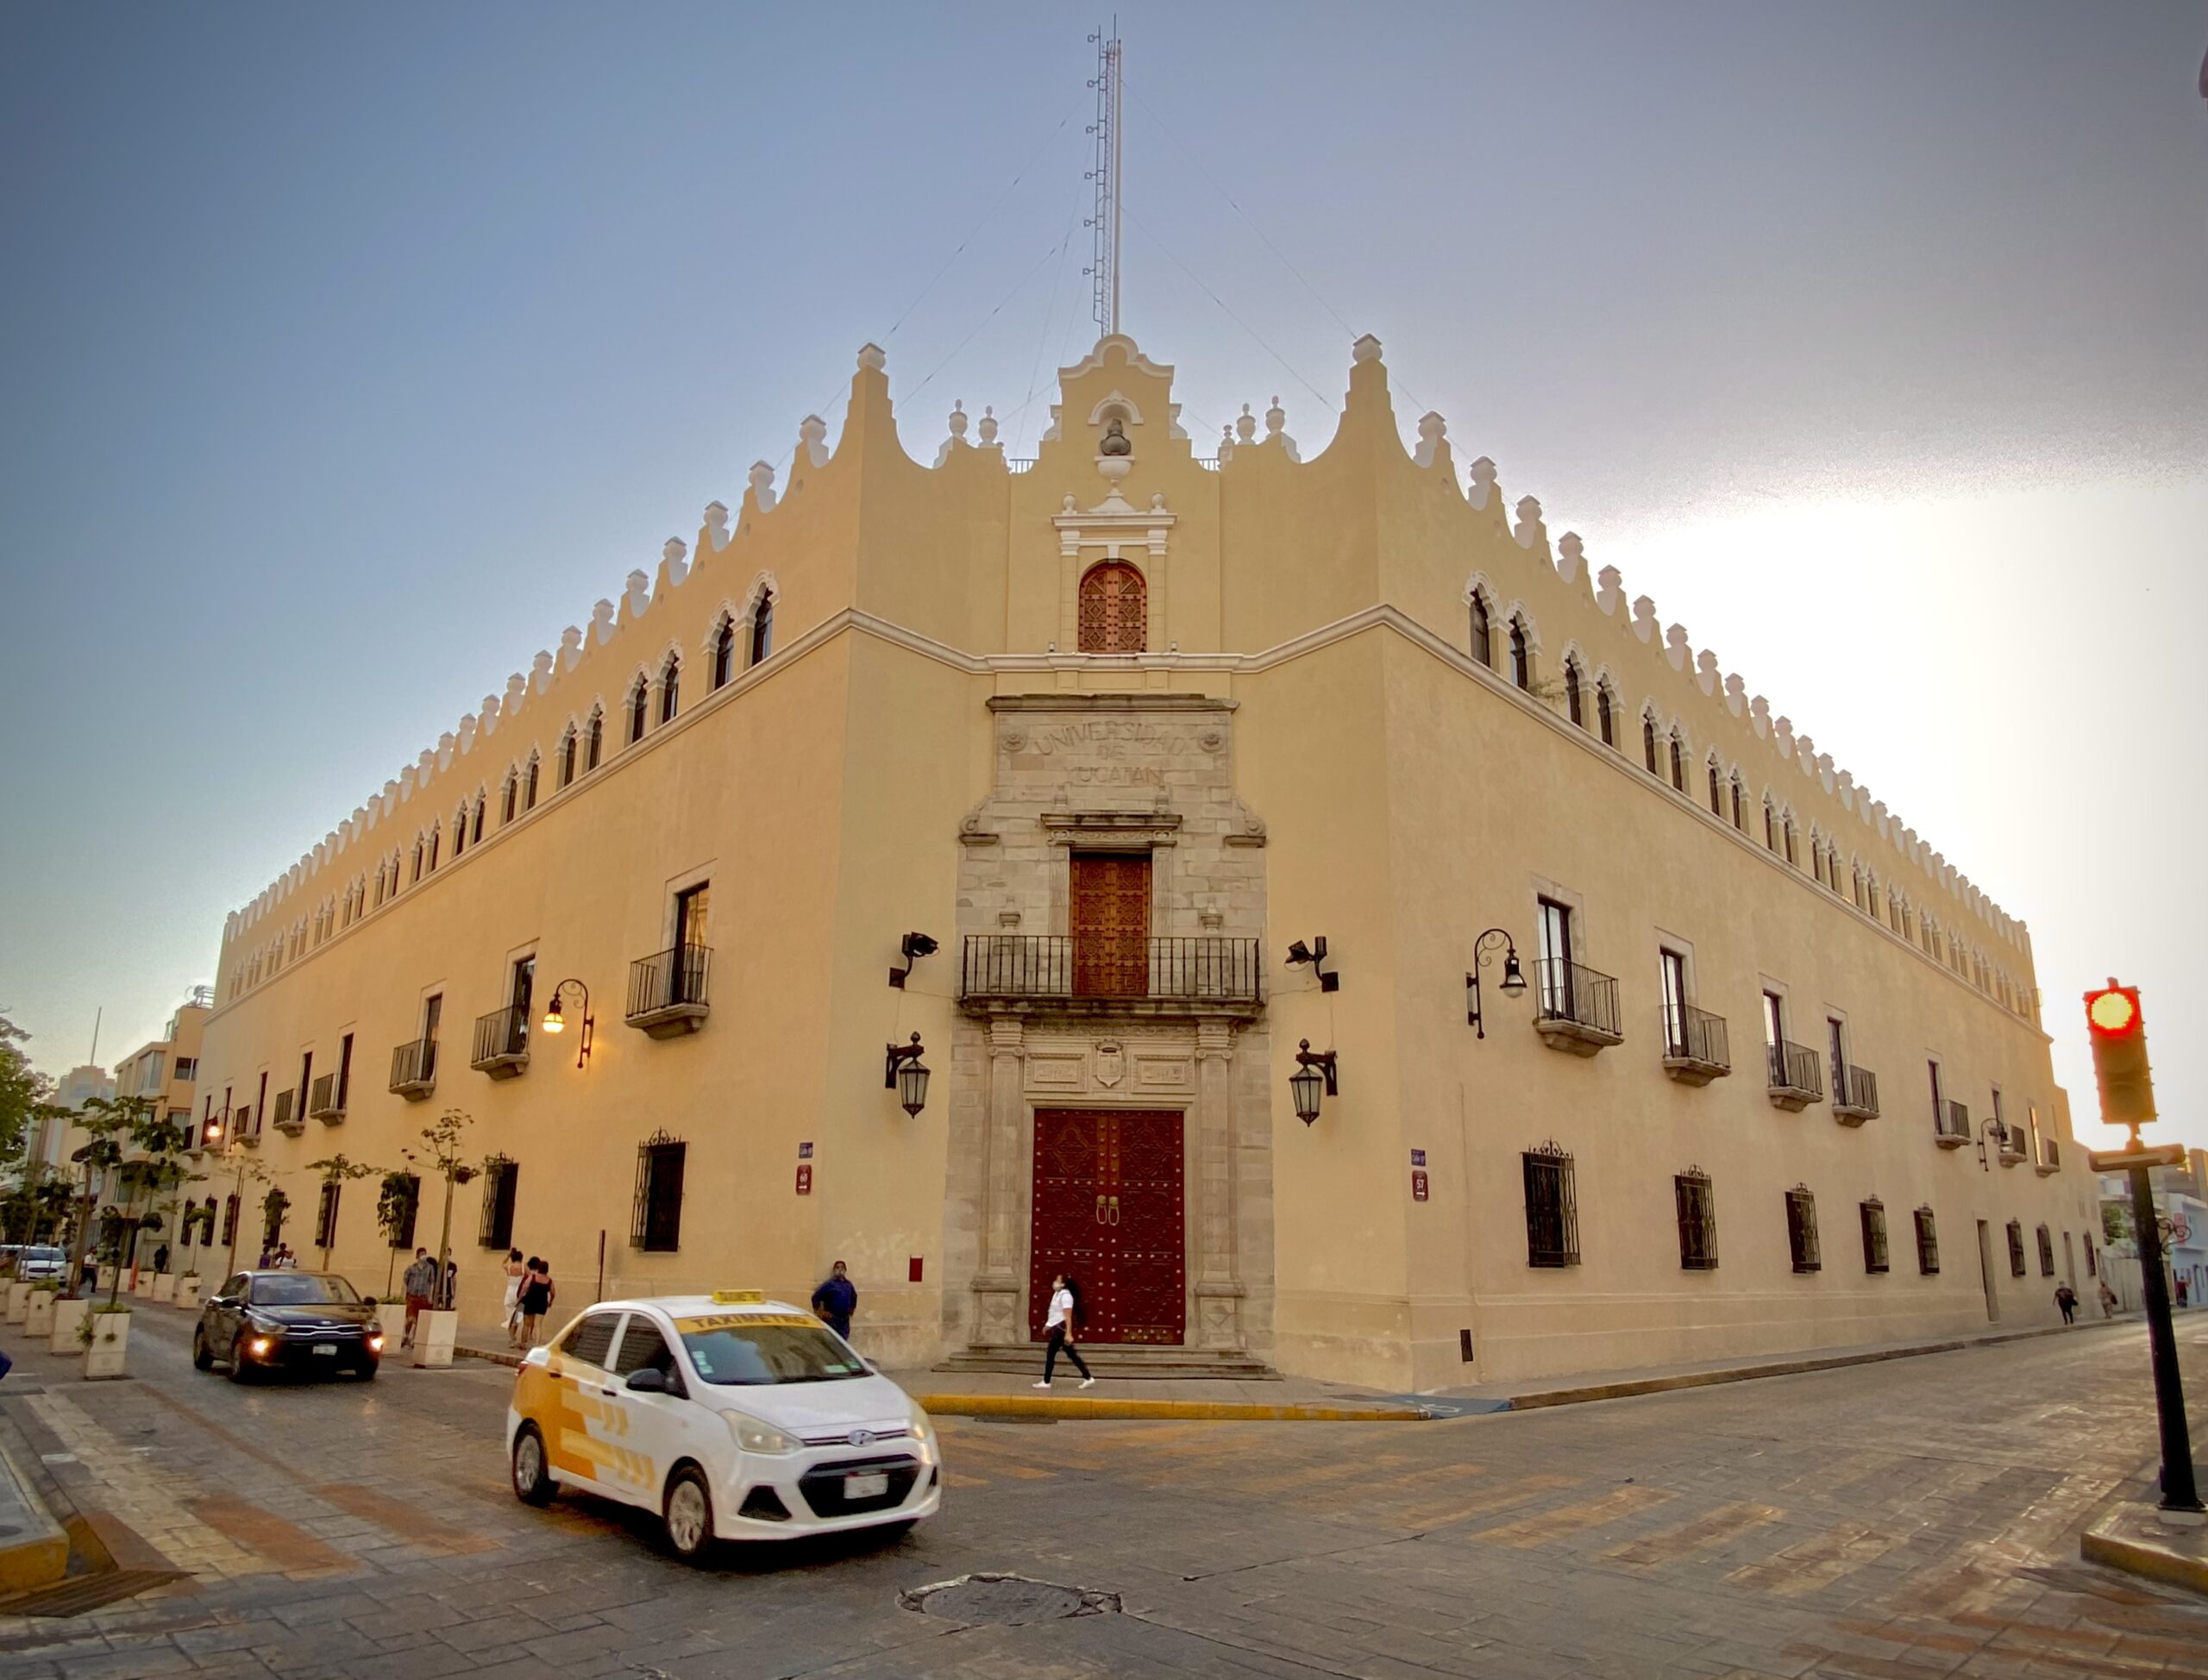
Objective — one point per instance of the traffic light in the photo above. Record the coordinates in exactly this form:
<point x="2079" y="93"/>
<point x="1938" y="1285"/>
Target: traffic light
<point x="2118" y="1034"/>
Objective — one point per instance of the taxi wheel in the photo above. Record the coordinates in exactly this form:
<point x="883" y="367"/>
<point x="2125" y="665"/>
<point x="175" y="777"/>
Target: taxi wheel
<point x="689" y="1515"/>
<point x="239" y="1370"/>
<point x="202" y="1357"/>
<point x="533" y="1482"/>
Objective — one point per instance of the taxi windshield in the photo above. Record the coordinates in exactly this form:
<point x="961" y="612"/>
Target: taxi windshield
<point x="302" y="1290"/>
<point x="755" y="1349"/>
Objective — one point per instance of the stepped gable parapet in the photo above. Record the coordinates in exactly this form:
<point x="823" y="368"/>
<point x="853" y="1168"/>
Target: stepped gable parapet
<point x="813" y="441"/>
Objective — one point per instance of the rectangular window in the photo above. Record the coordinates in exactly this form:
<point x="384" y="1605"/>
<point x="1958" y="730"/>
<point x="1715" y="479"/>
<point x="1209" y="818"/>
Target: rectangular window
<point x="1938" y="1104"/>
<point x="306" y="1081"/>
<point x="1552" y="932"/>
<point x="1838" y="1052"/>
<point x="433" y="1010"/>
<point x="325" y="1218"/>
<point x="2046" y="1252"/>
<point x="229" y="1220"/>
<point x="2092" y="1266"/>
<point x="1552" y="1210"/>
<point x="1802" y="1229"/>
<point x="344" y="1070"/>
<point x="403" y="1211"/>
<point x="1927" y="1244"/>
<point x="692" y="905"/>
<point x="501" y="1178"/>
<point x="1698" y="1211"/>
<point x="655" y="1224"/>
<point x="187" y="1067"/>
<point x="1674" y="971"/>
<point x="1874" y="1235"/>
<point x="524" y="982"/>
<point x="2016" y="1248"/>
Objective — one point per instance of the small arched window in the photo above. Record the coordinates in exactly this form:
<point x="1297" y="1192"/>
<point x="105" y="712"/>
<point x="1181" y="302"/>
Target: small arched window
<point x="1870" y="896"/>
<point x="1717" y="789"/>
<point x="595" y="743"/>
<point x="506" y="800"/>
<point x="763" y="628"/>
<point x="670" y="685"/>
<point x="529" y="786"/>
<point x="1816" y="858"/>
<point x="1648" y="741"/>
<point x="1770" y="824"/>
<point x="1678" y="759"/>
<point x="1790" y="856"/>
<point x="433" y="846"/>
<point x="480" y="801"/>
<point x="459" y="829"/>
<point x="723" y="651"/>
<point x="639" y="693"/>
<point x="1114" y="609"/>
<point x="1574" y="707"/>
<point x="1606" y="715"/>
<point x="1521" y="657"/>
<point x="1483" y="635"/>
<point x="567" y="757"/>
<point x="1740" y="804"/>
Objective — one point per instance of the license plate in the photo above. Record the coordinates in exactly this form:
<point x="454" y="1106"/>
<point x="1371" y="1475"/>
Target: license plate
<point x="330" y="1348"/>
<point x="870" y="1485"/>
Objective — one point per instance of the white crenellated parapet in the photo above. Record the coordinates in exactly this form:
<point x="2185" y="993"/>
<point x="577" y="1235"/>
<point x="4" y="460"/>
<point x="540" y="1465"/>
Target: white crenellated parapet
<point x="1675" y="646"/>
<point x="1245" y="428"/>
<point x="762" y="486"/>
<point x="1844" y="783"/>
<point x="1611" y="596"/>
<point x="1644" y="617"/>
<point x="1805" y="755"/>
<point x="1529" y="532"/>
<point x="957" y="441"/>
<point x="446" y="744"/>
<point x="674" y="554"/>
<point x="1783" y="731"/>
<point x="1759" y="715"/>
<point x="468" y="735"/>
<point x="1570" y="557"/>
<point x="601" y="623"/>
<point x="571" y="648"/>
<point x="717" y="525"/>
<point x="540" y="671"/>
<point x="1276" y="421"/>
<point x="1479" y="488"/>
<point x="1705" y="672"/>
<point x="517" y="688"/>
<point x="1226" y="444"/>
<point x="1824" y="771"/>
<point x="986" y="433"/>
<point x="1736" y="692"/>
<point x="813" y="441"/>
<point x="871" y="358"/>
<point x="636" y="598"/>
<point x="1432" y="430"/>
<point x="1367" y="348"/>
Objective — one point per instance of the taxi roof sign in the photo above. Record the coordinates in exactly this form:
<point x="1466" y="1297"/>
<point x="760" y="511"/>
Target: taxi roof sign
<point x="739" y="1297"/>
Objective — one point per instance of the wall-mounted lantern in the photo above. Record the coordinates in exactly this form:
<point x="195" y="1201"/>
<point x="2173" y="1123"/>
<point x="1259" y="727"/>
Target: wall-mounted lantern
<point x="904" y="1073"/>
<point x="1316" y="954"/>
<point x="1998" y="1133"/>
<point x="555" y="1023"/>
<point x="1514" y="977"/>
<point x="911" y="947"/>
<point x="1314" y="1076"/>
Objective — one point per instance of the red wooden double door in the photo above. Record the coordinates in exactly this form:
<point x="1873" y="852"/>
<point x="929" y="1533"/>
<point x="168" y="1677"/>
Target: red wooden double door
<point x="1109" y="1213"/>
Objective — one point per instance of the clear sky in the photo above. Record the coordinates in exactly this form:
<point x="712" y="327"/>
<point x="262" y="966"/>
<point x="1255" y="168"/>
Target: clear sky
<point x="348" y="354"/>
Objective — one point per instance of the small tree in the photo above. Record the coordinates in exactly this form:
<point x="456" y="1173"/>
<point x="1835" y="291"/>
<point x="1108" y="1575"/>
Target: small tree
<point x="336" y="1170"/>
<point x="155" y="1165"/>
<point x="397" y="1202"/>
<point x="108" y="1120"/>
<point x="275" y="1206"/>
<point x="442" y="1155"/>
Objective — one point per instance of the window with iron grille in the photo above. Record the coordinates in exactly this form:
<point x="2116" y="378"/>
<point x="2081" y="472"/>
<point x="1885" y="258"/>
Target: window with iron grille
<point x="2046" y="1252"/>
<point x="1873" y="1212"/>
<point x="2016" y="1248"/>
<point x="230" y="1220"/>
<point x="2092" y="1266"/>
<point x="1927" y="1244"/>
<point x="1802" y="1228"/>
<point x="501" y="1178"/>
<point x="1697" y="1210"/>
<point x="325" y="1218"/>
<point x="655" y="1224"/>
<point x="1552" y="1210"/>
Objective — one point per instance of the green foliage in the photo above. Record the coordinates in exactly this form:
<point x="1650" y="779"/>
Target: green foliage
<point x="396" y="1205"/>
<point x="23" y="1090"/>
<point x="2116" y="1221"/>
<point x="275" y="1206"/>
<point x="338" y="1168"/>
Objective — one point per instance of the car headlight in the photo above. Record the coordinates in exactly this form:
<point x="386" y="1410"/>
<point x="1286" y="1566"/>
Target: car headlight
<point x="754" y="1436"/>
<point x="924" y="1431"/>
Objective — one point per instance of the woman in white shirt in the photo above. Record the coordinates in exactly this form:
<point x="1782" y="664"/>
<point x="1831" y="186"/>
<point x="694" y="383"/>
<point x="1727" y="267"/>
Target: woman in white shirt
<point x="1057" y="1326"/>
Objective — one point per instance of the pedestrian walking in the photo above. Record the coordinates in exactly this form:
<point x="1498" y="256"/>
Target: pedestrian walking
<point x="420" y="1282"/>
<point x="285" y="1258"/>
<point x="2108" y="1301"/>
<point x="537" y="1293"/>
<point x="161" y="1258"/>
<point x="2066" y="1299"/>
<point x="451" y="1287"/>
<point x="1058" y="1330"/>
<point x="515" y="1271"/>
<point x="2184" y="1291"/>
<point x="267" y="1258"/>
<point x="836" y="1300"/>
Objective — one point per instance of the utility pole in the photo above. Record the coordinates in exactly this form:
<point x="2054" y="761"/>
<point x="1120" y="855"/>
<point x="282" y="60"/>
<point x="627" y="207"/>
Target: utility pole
<point x="1104" y="216"/>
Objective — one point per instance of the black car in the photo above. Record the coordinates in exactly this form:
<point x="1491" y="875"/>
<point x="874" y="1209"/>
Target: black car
<point x="287" y="1321"/>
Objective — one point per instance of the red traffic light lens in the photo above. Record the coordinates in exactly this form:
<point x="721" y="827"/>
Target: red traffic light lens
<point x="2113" y="1013"/>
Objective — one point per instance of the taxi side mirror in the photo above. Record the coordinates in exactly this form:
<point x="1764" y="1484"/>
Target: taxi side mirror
<point x="647" y="1381"/>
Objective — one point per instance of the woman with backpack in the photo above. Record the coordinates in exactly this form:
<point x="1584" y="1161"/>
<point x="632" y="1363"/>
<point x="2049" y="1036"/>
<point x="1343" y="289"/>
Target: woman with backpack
<point x="1058" y="1327"/>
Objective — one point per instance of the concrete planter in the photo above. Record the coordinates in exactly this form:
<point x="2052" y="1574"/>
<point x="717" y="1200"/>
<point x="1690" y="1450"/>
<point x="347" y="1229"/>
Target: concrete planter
<point x="67" y="1316"/>
<point x="187" y="1290"/>
<point x="19" y="1301"/>
<point x="37" y="1320"/>
<point x="164" y="1287"/>
<point x="105" y="1354"/>
<point x="391" y="1317"/>
<point x="141" y="1286"/>
<point x="106" y="1279"/>
<point x="434" y="1332"/>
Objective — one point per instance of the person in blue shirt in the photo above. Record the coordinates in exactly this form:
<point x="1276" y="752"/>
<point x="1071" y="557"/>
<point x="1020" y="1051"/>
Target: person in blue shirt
<point x="835" y="1301"/>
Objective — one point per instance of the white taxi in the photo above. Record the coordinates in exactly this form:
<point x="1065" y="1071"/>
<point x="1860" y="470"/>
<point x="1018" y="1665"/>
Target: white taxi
<point x="733" y="1416"/>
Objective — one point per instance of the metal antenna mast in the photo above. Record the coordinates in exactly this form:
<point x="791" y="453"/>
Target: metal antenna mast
<point x="1104" y="220"/>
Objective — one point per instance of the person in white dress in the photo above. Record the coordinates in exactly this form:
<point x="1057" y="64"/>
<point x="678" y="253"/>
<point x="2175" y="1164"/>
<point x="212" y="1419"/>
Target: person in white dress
<point x="1058" y="1329"/>
<point x="514" y="1271"/>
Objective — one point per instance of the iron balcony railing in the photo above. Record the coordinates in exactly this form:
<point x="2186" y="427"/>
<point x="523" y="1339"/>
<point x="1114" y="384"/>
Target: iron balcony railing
<point x="1696" y="1035"/>
<point x="284" y="1119"/>
<point x="2016" y="1144"/>
<point x="1046" y="965"/>
<point x="1855" y="1089"/>
<point x="1954" y="1122"/>
<point x="324" y="1104"/>
<point x="414" y="1064"/>
<point x="1794" y="1067"/>
<point x="1570" y="990"/>
<point x="671" y="978"/>
<point x="499" y="1035"/>
<point x="2050" y="1154"/>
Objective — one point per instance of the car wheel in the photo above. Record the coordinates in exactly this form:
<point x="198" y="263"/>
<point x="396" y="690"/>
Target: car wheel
<point x="533" y="1482"/>
<point x="891" y="1532"/>
<point x="202" y="1357"/>
<point x="239" y="1370"/>
<point x="689" y="1515"/>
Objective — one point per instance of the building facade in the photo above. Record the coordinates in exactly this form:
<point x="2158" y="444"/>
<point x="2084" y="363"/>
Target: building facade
<point x="1118" y="787"/>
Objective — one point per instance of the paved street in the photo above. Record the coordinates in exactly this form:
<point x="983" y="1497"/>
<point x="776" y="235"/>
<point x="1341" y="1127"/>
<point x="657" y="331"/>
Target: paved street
<point x="1911" y="1519"/>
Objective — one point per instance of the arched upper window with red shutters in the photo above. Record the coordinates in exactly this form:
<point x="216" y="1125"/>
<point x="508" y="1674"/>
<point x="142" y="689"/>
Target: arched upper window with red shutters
<point x="1114" y="609"/>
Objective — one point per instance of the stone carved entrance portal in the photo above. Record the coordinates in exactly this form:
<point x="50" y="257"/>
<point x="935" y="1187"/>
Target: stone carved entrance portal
<point x="1108" y="1212"/>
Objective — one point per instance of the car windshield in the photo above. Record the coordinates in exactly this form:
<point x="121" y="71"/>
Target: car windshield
<point x="749" y="1350"/>
<point x="42" y="1254"/>
<point x="303" y="1289"/>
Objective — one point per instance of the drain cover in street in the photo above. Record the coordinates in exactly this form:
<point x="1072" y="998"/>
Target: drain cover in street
<point x="1004" y="1600"/>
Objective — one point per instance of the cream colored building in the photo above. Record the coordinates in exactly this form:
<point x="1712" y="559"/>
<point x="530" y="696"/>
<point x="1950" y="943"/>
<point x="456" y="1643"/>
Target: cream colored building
<point x="1117" y="728"/>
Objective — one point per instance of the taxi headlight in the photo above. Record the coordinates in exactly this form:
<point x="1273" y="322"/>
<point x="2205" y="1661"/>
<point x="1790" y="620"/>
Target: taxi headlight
<point x="753" y="1436"/>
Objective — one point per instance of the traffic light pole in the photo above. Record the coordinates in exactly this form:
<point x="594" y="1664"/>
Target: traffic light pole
<point x="2178" y="1493"/>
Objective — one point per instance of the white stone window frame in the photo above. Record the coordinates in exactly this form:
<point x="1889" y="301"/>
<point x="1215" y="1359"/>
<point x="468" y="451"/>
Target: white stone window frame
<point x="1154" y="834"/>
<point x="1540" y="887"/>
<point x="1136" y="536"/>
<point x="699" y="874"/>
<point x="1682" y="948"/>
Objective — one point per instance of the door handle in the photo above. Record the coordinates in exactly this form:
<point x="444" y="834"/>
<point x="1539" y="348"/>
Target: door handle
<point x="1115" y="1210"/>
<point x="1100" y="1210"/>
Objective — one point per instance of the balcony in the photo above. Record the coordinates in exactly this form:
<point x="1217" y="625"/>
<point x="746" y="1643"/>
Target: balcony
<point x="1155" y="976"/>
<point x="1575" y="1007"/>
<point x="1854" y="1095"/>
<point x="414" y="1069"/>
<point x="2050" y="1158"/>
<point x="2015" y="1146"/>
<point x="1795" y="1080"/>
<point x="1950" y="1125"/>
<point x="1697" y="1048"/>
<point x="245" y="1125"/>
<point x="501" y="1043"/>
<point x="326" y="1104"/>
<point x="667" y="991"/>
<point x="286" y="1118"/>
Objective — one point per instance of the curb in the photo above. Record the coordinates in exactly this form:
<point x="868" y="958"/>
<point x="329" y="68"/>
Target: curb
<point x="2136" y="1553"/>
<point x="488" y="1356"/>
<point x="1213" y="1410"/>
